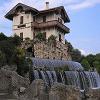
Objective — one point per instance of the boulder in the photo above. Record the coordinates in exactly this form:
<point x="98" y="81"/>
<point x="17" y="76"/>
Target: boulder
<point x="93" y="94"/>
<point x="62" y="92"/>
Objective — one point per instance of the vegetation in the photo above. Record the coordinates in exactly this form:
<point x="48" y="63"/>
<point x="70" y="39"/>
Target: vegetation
<point x="41" y="36"/>
<point x="52" y="40"/>
<point x="89" y="62"/>
<point x="61" y="69"/>
<point x="11" y="54"/>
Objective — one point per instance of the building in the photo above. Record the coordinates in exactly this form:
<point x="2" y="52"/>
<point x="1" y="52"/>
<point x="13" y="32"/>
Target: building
<point x="28" y="21"/>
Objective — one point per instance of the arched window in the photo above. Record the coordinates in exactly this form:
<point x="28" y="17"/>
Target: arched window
<point x="21" y="20"/>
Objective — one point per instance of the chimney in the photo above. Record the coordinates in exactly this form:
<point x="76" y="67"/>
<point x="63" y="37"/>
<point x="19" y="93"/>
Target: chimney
<point x="47" y="5"/>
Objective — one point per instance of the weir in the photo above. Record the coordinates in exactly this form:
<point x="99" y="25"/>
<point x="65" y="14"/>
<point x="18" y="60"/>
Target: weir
<point x="74" y="75"/>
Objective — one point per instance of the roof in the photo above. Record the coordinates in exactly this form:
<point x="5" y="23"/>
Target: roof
<point x="12" y="12"/>
<point x="60" y="8"/>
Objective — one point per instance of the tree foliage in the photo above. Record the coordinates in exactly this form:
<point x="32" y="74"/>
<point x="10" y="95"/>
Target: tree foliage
<point x="40" y="36"/>
<point x="10" y="54"/>
<point x="52" y="40"/>
<point x="2" y="37"/>
<point x="2" y="59"/>
<point x="76" y="55"/>
<point x="85" y="64"/>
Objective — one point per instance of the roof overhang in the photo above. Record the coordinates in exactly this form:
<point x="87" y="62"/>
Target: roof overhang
<point x="60" y="10"/>
<point x="25" y="8"/>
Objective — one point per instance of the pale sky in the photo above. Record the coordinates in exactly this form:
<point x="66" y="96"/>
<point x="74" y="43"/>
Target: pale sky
<point x="84" y="26"/>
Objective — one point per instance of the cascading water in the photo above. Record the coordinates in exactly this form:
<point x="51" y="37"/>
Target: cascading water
<point x="75" y="75"/>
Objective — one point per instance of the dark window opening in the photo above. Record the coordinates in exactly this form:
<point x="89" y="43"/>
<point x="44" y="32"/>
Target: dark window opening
<point x="44" y="33"/>
<point x="60" y="37"/>
<point x="44" y="18"/>
<point x="34" y="19"/>
<point x="23" y="25"/>
<point x="30" y="52"/>
<point x="21" y="20"/>
<point x="21" y="36"/>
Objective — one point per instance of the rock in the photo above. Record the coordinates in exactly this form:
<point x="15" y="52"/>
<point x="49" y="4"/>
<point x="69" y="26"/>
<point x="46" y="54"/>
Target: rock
<point x="58" y="92"/>
<point x="73" y="93"/>
<point x="93" y="94"/>
<point x="10" y="82"/>
<point x="63" y="92"/>
<point x="36" y="91"/>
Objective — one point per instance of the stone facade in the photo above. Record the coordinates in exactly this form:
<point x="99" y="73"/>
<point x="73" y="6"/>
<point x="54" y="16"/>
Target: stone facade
<point x="46" y="51"/>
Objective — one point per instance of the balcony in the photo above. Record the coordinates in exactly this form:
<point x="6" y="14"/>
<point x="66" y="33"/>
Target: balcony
<point x="51" y="24"/>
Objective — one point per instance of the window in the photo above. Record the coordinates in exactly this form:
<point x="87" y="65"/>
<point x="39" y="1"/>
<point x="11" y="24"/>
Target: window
<point x="60" y="37"/>
<point x="44" y="34"/>
<point x="21" y="20"/>
<point x="21" y="36"/>
<point x="44" y="18"/>
<point x="34" y="19"/>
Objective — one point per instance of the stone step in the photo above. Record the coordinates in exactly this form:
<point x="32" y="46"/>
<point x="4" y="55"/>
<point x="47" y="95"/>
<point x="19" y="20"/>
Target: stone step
<point x="6" y="96"/>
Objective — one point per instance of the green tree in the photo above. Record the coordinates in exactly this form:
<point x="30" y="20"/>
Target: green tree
<point x="52" y="40"/>
<point x="41" y="37"/>
<point x="97" y="57"/>
<point x="70" y="47"/>
<point x="2" y="59"/>
<point x="16" y="40"/>
<point x="76" y="55"/>
<point x="85" y="64"/>
<point x="7" y="48"/>
<point x="20" y="61"/>
<point x="2" y="37"/>
<point x="96" y="64"/>
<point x="91" y="59"/>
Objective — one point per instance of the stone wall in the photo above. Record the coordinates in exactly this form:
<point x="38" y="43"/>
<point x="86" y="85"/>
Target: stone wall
<point x="46" y="51"/>
<point x="38" y="91"/>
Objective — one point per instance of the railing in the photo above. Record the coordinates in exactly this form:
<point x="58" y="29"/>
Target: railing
<point x="50" y="24"/>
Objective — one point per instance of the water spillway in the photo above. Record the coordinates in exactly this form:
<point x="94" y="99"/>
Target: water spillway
<point x="51" y="63"/>
<point x="74" y="75"/>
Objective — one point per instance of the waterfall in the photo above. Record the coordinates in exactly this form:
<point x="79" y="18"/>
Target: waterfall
<point x="75" y="75"/>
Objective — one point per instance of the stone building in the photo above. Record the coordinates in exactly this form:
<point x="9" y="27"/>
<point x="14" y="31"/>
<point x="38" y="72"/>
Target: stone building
<point x="28" y="21"/>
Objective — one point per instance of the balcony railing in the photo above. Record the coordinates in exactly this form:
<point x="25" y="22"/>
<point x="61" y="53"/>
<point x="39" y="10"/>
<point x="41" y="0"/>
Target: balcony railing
<point x="51" y="24"/>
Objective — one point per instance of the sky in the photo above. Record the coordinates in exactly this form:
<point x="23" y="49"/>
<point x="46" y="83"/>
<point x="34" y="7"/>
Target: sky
<point x="84" y="21"/>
